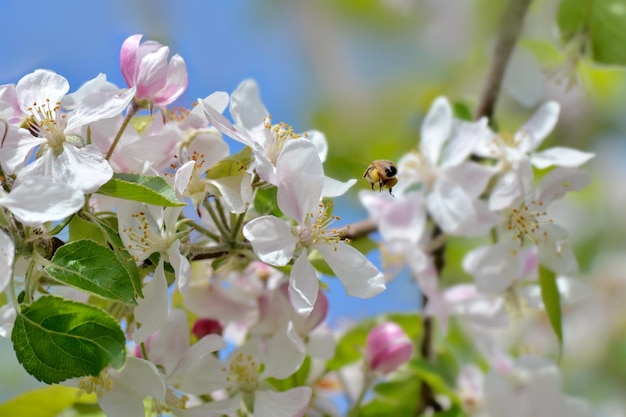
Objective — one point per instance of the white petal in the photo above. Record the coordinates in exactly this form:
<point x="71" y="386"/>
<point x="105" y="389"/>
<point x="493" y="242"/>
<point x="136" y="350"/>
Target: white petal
<point x="183" y="176"/>
<point x="222" y="124"/>
<point x="181" y="265"/>
<point x="7" y="254"/>
<point x="436" y="129"/>
<point x="39" y="86"/>
<point x="151" y="310"/>
<point x="141" y="377"/>
<point x="560" y="181"/>
<point x="82" y="168"/>
<point x="16" y="147"/>
<point x="98" y="106"/>
<point x="472" y="177"/>
<point x="334" y="188"/>
<point x="494" y="267"/>
<point x="303" y="285"/>
<point x="211" y="145"/>
<point x="168" y="344"/>
<point x="196" y="118"/>
<point x="246" y="106"/>
<point x="291" y="403"/>
<point x="7" y="318"/>
<point x="301" y="179"/>
<point x="449" y="205"/>
<point x="227" y="406"/>
<point x="506" y="192"/>
<point x="538" y="126"/>
<point x="560" y="156"/>
<point x="555" y="253"/>
<point x="319" y="140"/>
<point x="121" y="404"/>
<point x="356" y="272"/>
<point x="35" y="200"/>
<point x="285" y="353"/>
<point x="271" y="239"/>
<point x="465" y="137"/>
<point x="404" y="218"/>
<point x="375" y="203"/>
<point x="236" y="191"/>
<point x="199" y="370"/>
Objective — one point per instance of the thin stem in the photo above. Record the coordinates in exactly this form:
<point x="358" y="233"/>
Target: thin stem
<point x="132" y="111"/>
<point x="206" y="232"/>
<point x="221" y="227"/>
<point x="237" y="225"/>
<point x="367" y="382"/>
<point x="220" y="212"/>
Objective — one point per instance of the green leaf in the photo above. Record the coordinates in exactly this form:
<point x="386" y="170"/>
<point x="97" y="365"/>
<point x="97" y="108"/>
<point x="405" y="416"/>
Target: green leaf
<point x="47" y="401"/>
<point x="81" y="228"/>
<point x="56" y="339"/>
<point x="122" y="255"/>
<point x="599" y="23"/>
<point x="552" y="302"/>
<point x="397" y="397"/>
<point x="433" y="377"/>
<point x="86" y="265"/>
<point x="145" y="189"/>
<point x="232" y="165"/>
<point x="265" y="202"/>
<point x="462" y="111"/>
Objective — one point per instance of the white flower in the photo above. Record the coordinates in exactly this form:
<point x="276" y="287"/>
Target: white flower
<point x="451" y="184"/>
<point x="512" y="152"/>
<point x="244" y="373"/>
<point x="254" y="128"/>
<point x="121" y="393"/>
<point x="275" y="241"/>
<point x="531" y="388"/>
<point x="63" y="155"/>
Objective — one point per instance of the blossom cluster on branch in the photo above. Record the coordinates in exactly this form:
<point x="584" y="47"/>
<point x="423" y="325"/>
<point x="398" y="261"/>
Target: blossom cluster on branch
<point x="141" y="259"/>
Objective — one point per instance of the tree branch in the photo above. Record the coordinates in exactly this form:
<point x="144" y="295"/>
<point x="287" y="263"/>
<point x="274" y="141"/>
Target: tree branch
<point x="510" y="29"/>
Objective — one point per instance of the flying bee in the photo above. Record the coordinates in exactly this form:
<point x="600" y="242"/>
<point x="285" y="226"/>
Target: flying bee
<point x="383" y="173"/>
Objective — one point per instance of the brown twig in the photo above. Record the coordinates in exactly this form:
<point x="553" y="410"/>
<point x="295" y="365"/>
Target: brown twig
<point x="358" y="230"/>
<point x="510" y="29"/>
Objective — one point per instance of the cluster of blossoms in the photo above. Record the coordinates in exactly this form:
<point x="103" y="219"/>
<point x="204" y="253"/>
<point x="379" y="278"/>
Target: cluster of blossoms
<point x="211" y="260"/>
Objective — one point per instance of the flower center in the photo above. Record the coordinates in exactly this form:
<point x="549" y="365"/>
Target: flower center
<point x="276" y="136"/>
<point x="47" y="122"/>
<point x="244" y="373"/>
<point x="526" y="221"/>
<point x="316" y="228"/>
<point x="98" y="384"/>
<point x="144" y="238"/>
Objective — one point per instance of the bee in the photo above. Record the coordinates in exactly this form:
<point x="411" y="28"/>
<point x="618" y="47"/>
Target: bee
<point x="383" y="173"/>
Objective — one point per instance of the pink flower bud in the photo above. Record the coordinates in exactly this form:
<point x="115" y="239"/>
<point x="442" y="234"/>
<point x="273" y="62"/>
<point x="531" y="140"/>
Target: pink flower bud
<point x="145" y="66"/>
<point x="203" y="327"/>
<point x="387" y="348"/>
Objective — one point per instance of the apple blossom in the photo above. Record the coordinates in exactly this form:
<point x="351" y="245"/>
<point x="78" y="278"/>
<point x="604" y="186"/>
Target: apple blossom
<point x="301" y="180"/>
<point x="144" y="66"/>
<point x="63" y="155"/>
<point x="121" y="393"/>
<point x="512" y="152"/>
<point x="496" y="267"/>
<point x="531" y="388"/>
<point x="253" y="127"/>
<point x="450" y="183"/>
<point x="387" y="348"/>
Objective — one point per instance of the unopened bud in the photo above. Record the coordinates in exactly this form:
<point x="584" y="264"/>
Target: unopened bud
<point x="203" y="327"/>
<point x="387" y="348"/>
